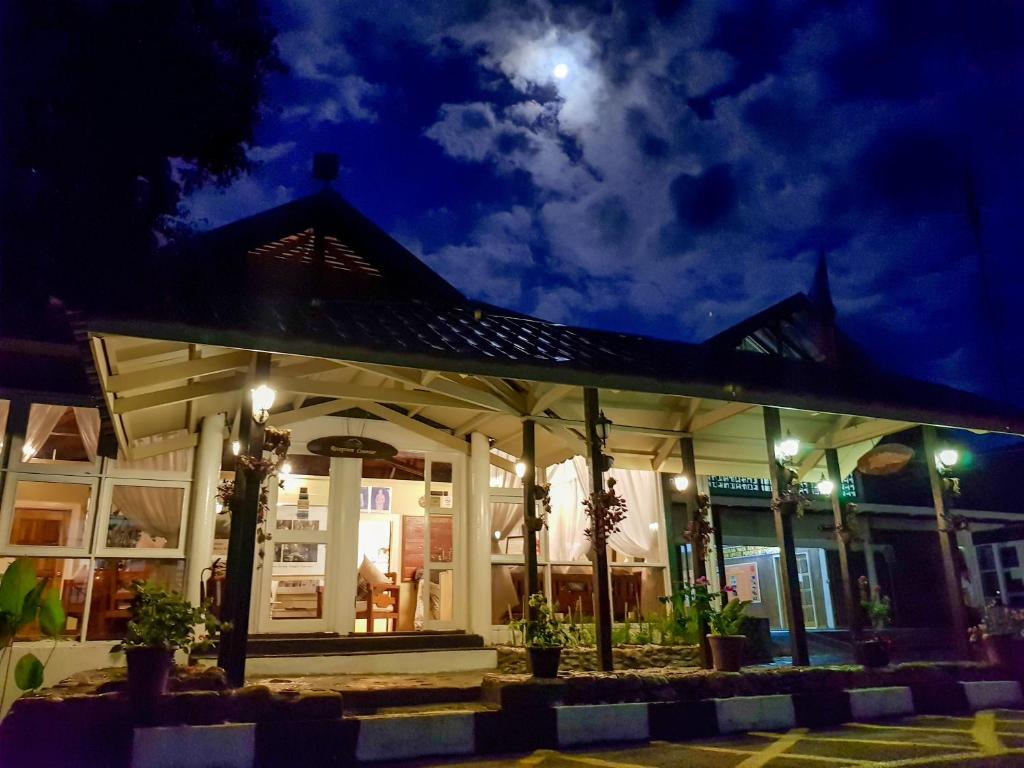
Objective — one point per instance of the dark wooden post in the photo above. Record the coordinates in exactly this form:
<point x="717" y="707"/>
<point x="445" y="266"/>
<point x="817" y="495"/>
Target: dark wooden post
<point x="242" y="541"/>
<point x="716" y="523"/>
<point x="947" y="545"/>
<point x="700" y="563"/>
<point x="787" y="547"/>
<point x="839" y="521"/>
<point x="528" y="458"/>
<point x="602" y="588"/>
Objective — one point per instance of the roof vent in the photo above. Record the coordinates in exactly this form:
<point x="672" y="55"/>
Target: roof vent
<point x="325" y="166"/>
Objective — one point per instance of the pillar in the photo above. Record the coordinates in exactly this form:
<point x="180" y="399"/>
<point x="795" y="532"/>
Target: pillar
<point x="242" y="542"/>
<point x="528" y="457"/>
<point x="787" y="546"/>
<point x="203" y="512"/>
<point x="870" y="566"/>
<point x="479" y="524"/>
<point x="675" y="524"/>
<point x="602" y="583"/>
<point x="850" y="601"/>
<point x="693" y="512"/>
<point x="947" y="542"/>
<point x="343" y="512"/>
<point x="719" y="541"/>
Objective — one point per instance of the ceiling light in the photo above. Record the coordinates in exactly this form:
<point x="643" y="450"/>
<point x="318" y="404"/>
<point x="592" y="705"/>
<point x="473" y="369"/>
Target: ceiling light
<point x="520" y="469"/>
<point x="681" y="482"/>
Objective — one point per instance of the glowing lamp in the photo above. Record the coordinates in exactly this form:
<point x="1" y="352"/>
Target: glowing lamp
<point x="826" y="486"/>
<point x="236" y="447"/>
<point x="948" y="457"/>
<point x="262" y="401"/>
<point x="653" y="526"/>
<point x="681" y="482"/>
<point x="286" y="469"/>
<point x="497" y="535"/>
<point x="520" y="469"/>
<point x="788" y="448"/>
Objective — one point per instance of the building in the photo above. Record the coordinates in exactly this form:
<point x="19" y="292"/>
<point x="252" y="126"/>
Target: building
<point x="113" y="446"/>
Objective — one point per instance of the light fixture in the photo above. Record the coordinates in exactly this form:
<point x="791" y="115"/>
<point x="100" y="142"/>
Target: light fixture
<point x="497" y="535"/>
<point x="286" y="469"/>
<point x="603" y="427"/>
<point x="788" y="448"/>
<point x="218" y="507"/>
<point x="561" y="71"/>
<point x="681" y="482"/>
<point x="520" y="469"/>
<point x="826" y="486"/>
<point x="236" y="447"/>
<point x="653" y="526"/>
<point x="262" y="401"/>
<point x="947" y="458"/>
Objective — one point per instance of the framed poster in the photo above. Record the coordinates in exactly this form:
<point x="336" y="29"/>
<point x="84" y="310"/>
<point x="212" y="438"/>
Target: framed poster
<point x="364" y="498"/>
<point x="743" y="578"/>
<point x="380" y="499"/>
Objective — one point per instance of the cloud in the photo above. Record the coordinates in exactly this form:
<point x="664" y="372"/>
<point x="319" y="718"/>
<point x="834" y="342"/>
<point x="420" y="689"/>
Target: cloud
<point x="270" y="153"/>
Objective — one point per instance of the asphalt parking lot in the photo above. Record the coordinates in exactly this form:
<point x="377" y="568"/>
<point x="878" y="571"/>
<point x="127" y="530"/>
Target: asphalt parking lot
<point x="990" y="738"/>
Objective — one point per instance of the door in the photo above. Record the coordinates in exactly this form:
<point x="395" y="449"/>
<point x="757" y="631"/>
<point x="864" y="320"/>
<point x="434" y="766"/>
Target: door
<point x="293" y="568"/>
<point x="442" y="565"/>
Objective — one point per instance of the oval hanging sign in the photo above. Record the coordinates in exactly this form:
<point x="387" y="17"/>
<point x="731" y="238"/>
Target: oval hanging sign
<point x="351" y="447"/>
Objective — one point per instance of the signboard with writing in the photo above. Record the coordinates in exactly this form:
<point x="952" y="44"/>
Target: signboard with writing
<point x="351" y="447"/>
<point x="743" y="578"/>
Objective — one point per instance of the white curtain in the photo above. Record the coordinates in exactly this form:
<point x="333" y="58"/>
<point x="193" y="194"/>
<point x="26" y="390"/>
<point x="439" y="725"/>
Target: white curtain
<point x="172" y="461"/>
<point x="156" y="510"/>
<point x="5" y="409"/>
<point x="638" y="533"/>
<point x="89" y="428"/>
<point x="505" y="518"/>
<point x="41" y="421"/>
<point x="568" y="519"/>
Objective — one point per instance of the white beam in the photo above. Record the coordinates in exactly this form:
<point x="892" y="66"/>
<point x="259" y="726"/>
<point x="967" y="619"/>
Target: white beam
<point x="544" y="396"/>
<point x="173" y="372"/>
<point x="342" y="390"/>
<point x="413" y="425"/>
<point x="179" y="394"/>
<point x="723" y="412"/>
<point x="442" y="385"/>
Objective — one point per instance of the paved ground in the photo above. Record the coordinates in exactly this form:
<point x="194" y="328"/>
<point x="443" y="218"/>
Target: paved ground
<point x="994" y="738"/>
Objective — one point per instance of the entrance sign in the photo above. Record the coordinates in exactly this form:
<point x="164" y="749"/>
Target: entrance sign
<point x="351" y="447"/>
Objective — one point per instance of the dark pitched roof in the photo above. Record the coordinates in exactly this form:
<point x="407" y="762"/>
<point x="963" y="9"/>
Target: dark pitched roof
<point x="224" y="293"/>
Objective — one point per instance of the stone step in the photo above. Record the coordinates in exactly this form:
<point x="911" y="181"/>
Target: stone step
<point x="266" y="646"/>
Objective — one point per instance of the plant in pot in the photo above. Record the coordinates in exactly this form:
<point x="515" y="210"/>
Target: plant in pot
<point x="726" y="640"/>
<point x="1001" y="636"/>
<point x="874" y="651"/>
<point x="162" y="622"/>
<point x="544" y="637"/>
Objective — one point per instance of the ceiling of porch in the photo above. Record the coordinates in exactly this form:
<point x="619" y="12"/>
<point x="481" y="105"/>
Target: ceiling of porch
<point x="158" y="387"/>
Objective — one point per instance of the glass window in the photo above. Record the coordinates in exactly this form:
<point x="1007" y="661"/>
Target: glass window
<point x="986" y="559"/>
<point x="1008" y="557"/>
<point x="572" y="589"/>
<point x="57" y="433"/>
<point x="145" y="517"/>
<point x="302" y="504"/>
<point x="508" y="584"/>
<point x="506" y="528"/>
<point x="636" y="593"/>
<point x="112" y="592"/>
<point x="50" y="514"/>
<point x="71" y="577"/>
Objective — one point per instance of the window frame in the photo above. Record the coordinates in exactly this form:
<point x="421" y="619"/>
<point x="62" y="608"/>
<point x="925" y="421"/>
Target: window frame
<point x="15" y="463"/>
<point x="8" y="507"/>
<point x="101" y="550"/>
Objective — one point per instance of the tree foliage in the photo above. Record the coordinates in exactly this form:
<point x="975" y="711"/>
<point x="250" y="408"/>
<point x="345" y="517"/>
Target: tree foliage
<point x="112" y="111"/>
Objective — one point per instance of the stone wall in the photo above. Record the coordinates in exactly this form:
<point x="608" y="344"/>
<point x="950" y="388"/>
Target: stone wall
<point x="512" y="659"/>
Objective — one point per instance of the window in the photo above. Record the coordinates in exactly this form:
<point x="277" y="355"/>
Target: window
<point x="145" y="517"/>
<point x="48" y="512"/>
<point x="57" y="436"/>
<point x="112" y="593"/>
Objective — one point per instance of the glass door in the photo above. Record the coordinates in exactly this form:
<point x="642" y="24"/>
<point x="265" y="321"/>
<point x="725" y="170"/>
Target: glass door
<point x="293" y="571"/>
<point x="441" y="566"/>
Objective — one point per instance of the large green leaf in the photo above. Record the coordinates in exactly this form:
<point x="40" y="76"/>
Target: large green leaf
<point x="28" y="672"/>
<point x="18" y="580"/>
<point x="51" y="614"/>
<point x="30" y="607"/>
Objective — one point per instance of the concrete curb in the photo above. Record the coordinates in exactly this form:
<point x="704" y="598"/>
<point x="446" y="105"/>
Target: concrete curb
<point x="378" y="738"/>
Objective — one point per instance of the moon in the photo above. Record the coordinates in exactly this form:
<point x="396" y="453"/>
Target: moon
<point x="561" y="71"/>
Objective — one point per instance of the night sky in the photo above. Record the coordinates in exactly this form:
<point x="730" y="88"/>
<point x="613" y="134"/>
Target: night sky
<point x="670" y="168"/>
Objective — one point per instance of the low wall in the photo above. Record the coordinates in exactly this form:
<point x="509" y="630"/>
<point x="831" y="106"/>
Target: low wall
<point x="512" y="658"/>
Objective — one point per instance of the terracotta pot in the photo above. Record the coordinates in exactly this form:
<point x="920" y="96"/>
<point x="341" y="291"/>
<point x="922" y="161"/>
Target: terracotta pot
<point x="544" y="661"/>
<point x="727" y="652"/>
<point x="148" y="670"/>
<point x="872" y="653"/>
<point x="1006" y="651"/>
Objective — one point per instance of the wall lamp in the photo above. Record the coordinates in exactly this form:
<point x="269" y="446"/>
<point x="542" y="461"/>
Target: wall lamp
<point x="681" y="482"/>
<point x="262" y="401"/>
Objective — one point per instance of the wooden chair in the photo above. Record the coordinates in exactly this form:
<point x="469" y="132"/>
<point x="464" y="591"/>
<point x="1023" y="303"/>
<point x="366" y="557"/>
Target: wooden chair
<point x="626" y="589"/>
<point x="382" y="603"/>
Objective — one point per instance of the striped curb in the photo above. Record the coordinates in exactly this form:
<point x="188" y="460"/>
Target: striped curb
<point x="374" y="738"/>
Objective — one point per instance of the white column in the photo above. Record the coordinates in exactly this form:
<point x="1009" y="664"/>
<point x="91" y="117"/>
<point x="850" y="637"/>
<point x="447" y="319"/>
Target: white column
<point x="203" y="512"/>
<point x="479" y="525"/>
<point x="965" y="541"/>
<point x="343" y="549"/>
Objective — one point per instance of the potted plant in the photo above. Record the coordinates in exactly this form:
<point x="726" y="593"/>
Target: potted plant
<point x="875" y="651"/>
<point x="1001" y="636"/>
<point x="725" y="639"/>
<point x="544" y="637"/>
<point x="162" y="622"/>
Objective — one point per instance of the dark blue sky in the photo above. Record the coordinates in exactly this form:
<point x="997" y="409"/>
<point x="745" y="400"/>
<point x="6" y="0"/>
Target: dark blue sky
<point x="689" y="166"/>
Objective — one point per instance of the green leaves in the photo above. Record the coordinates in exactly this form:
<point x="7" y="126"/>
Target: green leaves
<point x="28" y="672"/>
<point x="163" y="619"/>
<point x="18" y="581"/>
<point x="51" y="614"/>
